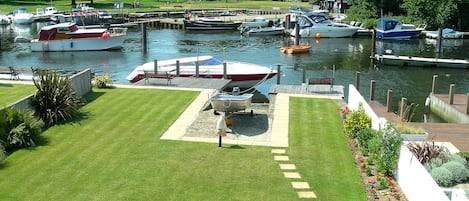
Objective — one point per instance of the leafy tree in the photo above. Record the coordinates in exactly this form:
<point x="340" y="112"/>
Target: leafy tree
<point x="54" y="99"/>
<point x="362" y="10"/>
<point x="436" y="14"/>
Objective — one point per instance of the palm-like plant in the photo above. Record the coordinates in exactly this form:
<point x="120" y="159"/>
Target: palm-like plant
<point x="54" y="99"/>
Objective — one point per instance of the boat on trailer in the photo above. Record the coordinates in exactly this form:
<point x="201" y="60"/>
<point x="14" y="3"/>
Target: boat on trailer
<point x="242" y="74"/>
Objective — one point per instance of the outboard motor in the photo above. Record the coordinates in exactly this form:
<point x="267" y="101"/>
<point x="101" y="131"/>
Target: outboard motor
<point x="235" y="91"/>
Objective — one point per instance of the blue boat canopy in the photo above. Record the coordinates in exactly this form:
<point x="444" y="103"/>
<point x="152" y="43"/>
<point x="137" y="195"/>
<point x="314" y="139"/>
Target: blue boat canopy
<point x="211" y="62"/>
<point x="387" y="23"/>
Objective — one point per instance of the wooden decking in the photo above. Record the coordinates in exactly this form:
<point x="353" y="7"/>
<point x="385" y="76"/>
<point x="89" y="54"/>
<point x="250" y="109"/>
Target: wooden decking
<point x="307" y="89"/>
<point x="457" y="134"/>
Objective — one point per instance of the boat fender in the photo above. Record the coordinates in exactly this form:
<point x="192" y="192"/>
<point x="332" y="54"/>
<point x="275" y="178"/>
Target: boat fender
<point x="105" y="36"/>
<point x="71" y="43"/>
<point x="318" y="35"/>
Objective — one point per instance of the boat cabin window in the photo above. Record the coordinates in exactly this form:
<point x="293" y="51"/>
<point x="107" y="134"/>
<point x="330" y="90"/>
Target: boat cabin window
<point x="303" y="22"/>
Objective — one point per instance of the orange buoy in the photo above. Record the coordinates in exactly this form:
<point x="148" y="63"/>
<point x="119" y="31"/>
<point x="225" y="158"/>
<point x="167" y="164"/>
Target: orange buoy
<point x="318" y="35"/>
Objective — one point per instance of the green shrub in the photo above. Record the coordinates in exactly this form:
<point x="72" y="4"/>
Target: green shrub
<point x="54" y="99"/>
<point x="456" y="158"/>
<point x="433" y="163"/>
<point x="442" y="176"/>
<point x="356" y="121"/>
<point x="458" y="170"/>
<point x="389" y="153"/>
<point x="103" y="81"/>
<point x="3" y="154"/>
<point x="364" y="136"/>
<point x="22" y="128"/>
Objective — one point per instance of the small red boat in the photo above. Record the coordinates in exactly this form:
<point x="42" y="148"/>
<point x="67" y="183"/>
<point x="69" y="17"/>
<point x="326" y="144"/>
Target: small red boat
<point x="296" y="49"/>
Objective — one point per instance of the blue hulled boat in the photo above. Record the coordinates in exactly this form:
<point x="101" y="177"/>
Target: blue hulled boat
<point x="389" y="28"/>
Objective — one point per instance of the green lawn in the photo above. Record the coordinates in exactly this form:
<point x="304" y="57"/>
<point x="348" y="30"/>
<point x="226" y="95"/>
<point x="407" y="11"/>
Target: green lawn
<point x="9" y="93"/>
<point x="151" y="5"/>
<point x="113" y="152"/>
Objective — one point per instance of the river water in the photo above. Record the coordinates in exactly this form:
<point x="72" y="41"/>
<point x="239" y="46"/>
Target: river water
<point x="348" y="55"/>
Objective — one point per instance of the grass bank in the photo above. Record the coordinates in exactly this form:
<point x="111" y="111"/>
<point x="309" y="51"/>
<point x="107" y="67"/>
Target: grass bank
<point x="113" y="152"/>
<point x="9" y="93"/>
<point x="151" y="5"/>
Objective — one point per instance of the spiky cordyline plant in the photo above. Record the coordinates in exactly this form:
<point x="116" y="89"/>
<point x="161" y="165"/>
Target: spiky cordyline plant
<point x="54" y="99"/>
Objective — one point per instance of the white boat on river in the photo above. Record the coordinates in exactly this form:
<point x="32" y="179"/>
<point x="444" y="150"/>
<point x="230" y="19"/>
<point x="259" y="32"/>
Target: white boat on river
<point x="318" y="26"/>
<point x="68" y="37"/>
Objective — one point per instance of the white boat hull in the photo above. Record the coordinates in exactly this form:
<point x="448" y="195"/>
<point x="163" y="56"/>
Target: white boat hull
<point x="23" y="18"/>
<point x="422" y="61"/>
<point x="313" y="32"/>
<point x="243" y="75"/>
<point x="83" y="44"/>
<point x="230" y="103"/>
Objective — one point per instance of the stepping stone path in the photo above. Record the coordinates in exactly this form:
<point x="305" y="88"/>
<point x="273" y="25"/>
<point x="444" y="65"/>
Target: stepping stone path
<point x="303" y="188"/>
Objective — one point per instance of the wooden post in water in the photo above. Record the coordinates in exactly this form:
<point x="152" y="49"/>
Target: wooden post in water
<point x="297" y="34"/>
<point x="178" y="68"/>
<point x="435" y="78"/>
<point x="278" y="73"/>
<point x="389" y="101"/>
<point x="357" y="80"/>
<point x="373" y="44"/>
<point x="438" y="42"/>
<point x="451" y="93"/>
<point x="402" y="108"/>
<point x="467" y="103"/>
<point x="225" y="76"/>
<point x="144" y="37"/>
<point x="287" y="21"/>
<point x="372" y="90"/>
<point x="304" y="73"/>
<point x="197" y="69"/>
<point x="155" y="66"/>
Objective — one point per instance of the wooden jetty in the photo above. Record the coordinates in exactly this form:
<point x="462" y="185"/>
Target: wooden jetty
<point x="457" y="134"/>
<point x="398" y="60"/>
<point x="308" y="89"/>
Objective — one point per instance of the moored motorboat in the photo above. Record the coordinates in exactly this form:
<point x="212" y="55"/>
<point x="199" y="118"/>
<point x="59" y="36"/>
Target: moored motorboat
<point x="398" y="60"/>
<point x="242" y="74"/>
<point x="319" y="26"/>
<point x="68" y="37"/>
<point x="263" y="31"/>
<point x="22" y="16"/>
<point x="445" y="34"/>
<point x="296" y="49"/>
<point x="389" y="28"/>
<point x="213" y="24"/>
<point x="255" y="23"/>
<point x="4" y="20"/>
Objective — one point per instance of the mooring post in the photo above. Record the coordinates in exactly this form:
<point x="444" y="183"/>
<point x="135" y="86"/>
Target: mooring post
<point x="357" y="80"/>
<point x="389" y="101"/>
<point x="435" y="78"/>
<point x="372" y="90"/>
<point x="278" y="73"/>
<point x="451" y="93"/>
<point x="197" y="69"/>
<point x="402" y="108"/>
<point x="467" y="103"/>
<point x="304" y="73"/>
<point x="373" y="43"/>
<point x="155" y="66"/>
<point x="178" y="68"/>
<point x="225" y="76"/>
<point x="439" y="40"/>
<point x="297" y="34"/>
<point x="144" y="37"/>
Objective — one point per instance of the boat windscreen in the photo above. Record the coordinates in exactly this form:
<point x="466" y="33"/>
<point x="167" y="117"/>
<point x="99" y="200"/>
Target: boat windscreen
<point x="211" y="62"/>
